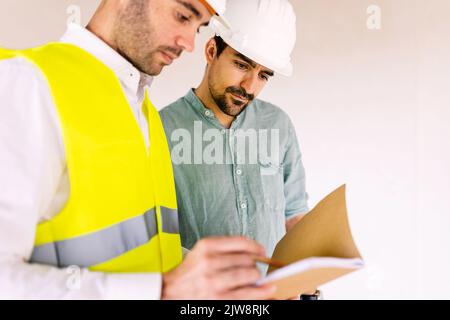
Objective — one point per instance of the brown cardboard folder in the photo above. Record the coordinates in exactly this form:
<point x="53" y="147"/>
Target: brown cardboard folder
<point x="317" y="250"/>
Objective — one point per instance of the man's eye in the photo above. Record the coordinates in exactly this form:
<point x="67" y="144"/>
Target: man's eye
<point x="182" y="18"/>
<point x="241" y="66"/>
<point x="264" y="77"/>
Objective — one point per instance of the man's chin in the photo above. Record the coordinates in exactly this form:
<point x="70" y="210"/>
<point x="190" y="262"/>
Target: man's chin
<point x="234" y="110"/>
<point x="155" y="70"/>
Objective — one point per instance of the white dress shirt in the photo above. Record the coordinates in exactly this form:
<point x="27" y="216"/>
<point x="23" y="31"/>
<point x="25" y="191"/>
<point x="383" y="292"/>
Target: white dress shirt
<point x="34" y="184"/>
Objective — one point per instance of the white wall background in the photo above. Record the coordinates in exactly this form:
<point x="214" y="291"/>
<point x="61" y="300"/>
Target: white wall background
<point x="372" y="110"/>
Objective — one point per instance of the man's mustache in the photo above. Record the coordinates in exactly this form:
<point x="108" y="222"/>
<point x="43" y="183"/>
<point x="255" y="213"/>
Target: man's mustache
<point x="240" y="92"/>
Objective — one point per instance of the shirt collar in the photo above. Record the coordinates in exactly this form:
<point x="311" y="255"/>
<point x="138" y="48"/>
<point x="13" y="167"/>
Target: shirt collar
<point x="128" y="75"/>
<point x="195" y="101"/>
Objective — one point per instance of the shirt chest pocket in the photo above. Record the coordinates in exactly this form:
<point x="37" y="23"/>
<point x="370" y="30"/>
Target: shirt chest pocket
<point x="272" y="181"/>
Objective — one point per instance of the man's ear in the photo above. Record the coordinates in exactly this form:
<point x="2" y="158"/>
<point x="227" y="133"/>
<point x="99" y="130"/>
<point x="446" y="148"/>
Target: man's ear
<point x="210" y="50"/>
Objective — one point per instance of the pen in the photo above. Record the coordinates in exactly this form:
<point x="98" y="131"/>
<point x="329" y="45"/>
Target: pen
<point x="270" y="262"/>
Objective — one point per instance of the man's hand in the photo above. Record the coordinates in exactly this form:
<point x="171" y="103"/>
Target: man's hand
<point x="219" y="269"/>
<point x="290" y="223"/>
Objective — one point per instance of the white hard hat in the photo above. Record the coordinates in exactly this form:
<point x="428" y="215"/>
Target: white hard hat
<point x="219" y="6"/>
<point x="262" y="30"/>
<point x="217" y="9"/>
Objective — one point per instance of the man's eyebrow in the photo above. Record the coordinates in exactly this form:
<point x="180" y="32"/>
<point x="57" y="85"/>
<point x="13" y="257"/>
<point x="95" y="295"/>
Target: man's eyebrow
<point x="189" y="6"/>
<point x="249" y="61"/>
<point x="253" y="63"/>
<point x="269" y="73"/>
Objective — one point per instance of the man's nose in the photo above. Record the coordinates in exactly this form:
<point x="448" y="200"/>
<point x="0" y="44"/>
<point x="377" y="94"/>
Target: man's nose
<point x="249" y="84"/>
<point x="186" y="41"/>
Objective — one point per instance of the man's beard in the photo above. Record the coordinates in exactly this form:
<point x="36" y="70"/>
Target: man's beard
<point x="233" y="107"/>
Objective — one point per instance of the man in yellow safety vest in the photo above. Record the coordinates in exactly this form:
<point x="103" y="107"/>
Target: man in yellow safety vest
<point x="87" y="199"/>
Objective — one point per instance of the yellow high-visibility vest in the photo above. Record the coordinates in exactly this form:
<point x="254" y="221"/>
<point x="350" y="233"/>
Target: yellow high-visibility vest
<point x="121" y="215"/>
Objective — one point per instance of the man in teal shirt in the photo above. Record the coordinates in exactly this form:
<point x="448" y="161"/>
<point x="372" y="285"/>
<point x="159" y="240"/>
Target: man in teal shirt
<point x="237" y="161"/>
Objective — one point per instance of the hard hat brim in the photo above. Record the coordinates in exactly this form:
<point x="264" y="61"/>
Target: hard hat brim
<point x="286" y="70"/>
<point x="221" y="30"/>
<point x="224" y="22"/>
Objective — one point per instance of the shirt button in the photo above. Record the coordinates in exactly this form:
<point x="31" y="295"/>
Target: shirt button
<point x="243" y="205"/>
<point x="223" y="131"/>
<point x="208" y="113"/>
<point x="238" y="172"/>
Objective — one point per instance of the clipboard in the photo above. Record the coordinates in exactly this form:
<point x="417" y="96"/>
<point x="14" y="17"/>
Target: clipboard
<point x="318" y="249"/>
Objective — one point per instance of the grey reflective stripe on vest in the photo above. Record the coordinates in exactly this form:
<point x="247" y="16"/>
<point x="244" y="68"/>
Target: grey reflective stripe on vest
<point x="170" y="223"/>
<point x="107" y="244"/>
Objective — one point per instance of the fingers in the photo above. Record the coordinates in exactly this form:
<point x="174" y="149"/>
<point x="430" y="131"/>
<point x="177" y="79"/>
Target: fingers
<point x="235" y="278"/>
<point x="220" y="268"/>
<point x="221" y="262"/>
<point x="219" y="245"/>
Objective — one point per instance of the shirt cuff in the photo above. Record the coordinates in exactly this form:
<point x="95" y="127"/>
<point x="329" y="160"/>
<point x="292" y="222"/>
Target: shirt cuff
<point x="133" y="286"/>
<point x="294" y="213"/>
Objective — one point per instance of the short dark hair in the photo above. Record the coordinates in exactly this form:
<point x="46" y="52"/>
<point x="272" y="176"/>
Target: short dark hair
<point x="220" y="44"/>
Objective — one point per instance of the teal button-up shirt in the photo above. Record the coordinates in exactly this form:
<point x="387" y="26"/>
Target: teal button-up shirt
<point x="246" y="180"/>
